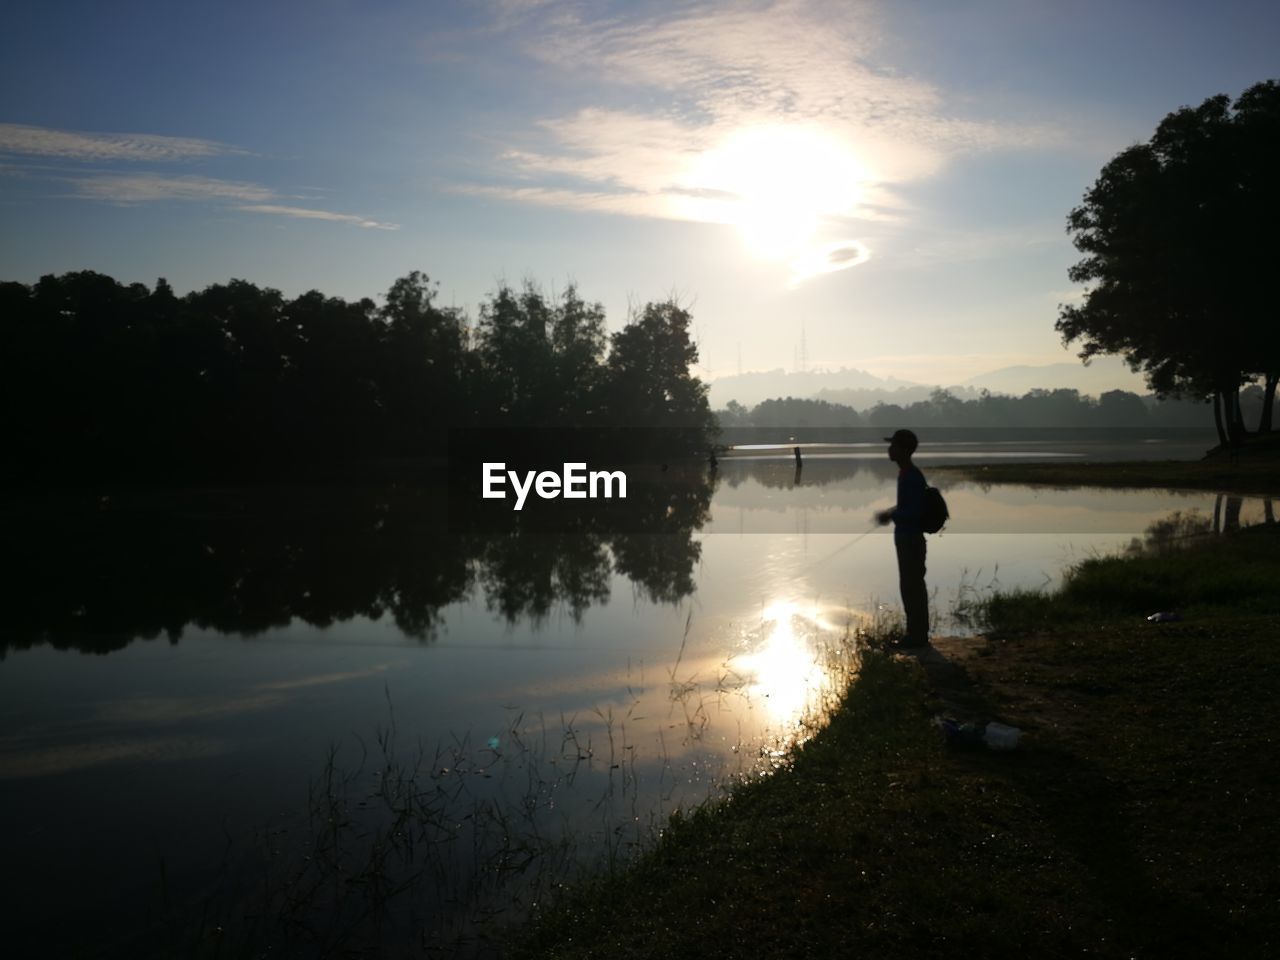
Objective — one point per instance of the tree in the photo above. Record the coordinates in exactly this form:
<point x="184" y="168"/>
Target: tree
<point x="734" y="415"/>
<point x="1120" y="408"/>
<point x="649" y="383"/>
<point x="1178" y="239"/>
<point x="513" y="345"/>
<point x="886" y="415"/>
<point x="578" y="345"/>
<point x="423" y="368"/>
<point x="332" y="368"/>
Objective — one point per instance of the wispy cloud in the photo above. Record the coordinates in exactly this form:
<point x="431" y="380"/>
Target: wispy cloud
<point x="249" y="197"/>
<point x="749" y="110"/>
<point x="143" y="187"/>
<point x="113" y="149"/>
<point x="70" y="145"/>
<point x="304" y="213"/>
<point x="630" y="203"/>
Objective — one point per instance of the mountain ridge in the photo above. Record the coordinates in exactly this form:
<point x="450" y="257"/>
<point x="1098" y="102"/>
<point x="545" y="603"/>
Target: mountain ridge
<point x="860" y="388"/>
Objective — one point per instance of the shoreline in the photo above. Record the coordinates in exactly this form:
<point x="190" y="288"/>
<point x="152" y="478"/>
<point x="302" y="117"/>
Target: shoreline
<point x="1136" y="817"/>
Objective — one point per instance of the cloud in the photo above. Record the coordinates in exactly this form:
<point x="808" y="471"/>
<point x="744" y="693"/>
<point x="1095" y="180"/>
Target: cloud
<point x="830" y="258"/>
<point x="794" y="62"/>
<point x="249" y="197"/>
<point x="305" y="213"/>
<point x="725" y="113"/>
<point x="143" y="187"/>
<point x="70" y="145"/>
<point x="134" y="188"/>
<point x="629" y="203"/>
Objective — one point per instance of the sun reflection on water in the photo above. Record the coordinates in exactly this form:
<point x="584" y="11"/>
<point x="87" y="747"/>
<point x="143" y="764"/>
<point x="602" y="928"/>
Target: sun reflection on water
<point x="787" y="660"/>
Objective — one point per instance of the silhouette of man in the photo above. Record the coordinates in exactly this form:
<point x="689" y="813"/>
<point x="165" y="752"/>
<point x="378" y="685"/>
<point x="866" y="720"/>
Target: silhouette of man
<point x="908" y="537"/>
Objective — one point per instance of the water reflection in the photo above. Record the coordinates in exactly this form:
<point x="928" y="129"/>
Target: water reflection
<point x="784" y="665"/>
<point x="587" y="730"/>
<point x="94" y="575"/>
<point x="781" y="472"/>
<point x="1184" y="527"/>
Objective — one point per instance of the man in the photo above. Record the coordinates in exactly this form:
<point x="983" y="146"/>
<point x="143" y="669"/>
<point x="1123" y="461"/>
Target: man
<point x="908" y="538"/>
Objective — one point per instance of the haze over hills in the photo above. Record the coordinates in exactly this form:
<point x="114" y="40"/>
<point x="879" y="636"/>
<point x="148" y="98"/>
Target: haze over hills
<point x="758" y="385"/>
<point x="1103" y="374"/>
<point x="860" y="389"/>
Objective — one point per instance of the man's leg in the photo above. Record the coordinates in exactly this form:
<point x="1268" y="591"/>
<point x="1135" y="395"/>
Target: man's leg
<point x="915" y="596"/>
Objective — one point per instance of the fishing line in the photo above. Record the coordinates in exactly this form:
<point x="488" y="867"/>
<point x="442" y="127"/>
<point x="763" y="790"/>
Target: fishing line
<point x="839" y="550"/>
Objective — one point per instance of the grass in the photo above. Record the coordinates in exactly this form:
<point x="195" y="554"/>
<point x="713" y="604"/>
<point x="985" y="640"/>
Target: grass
<point x="1137" y="819"/>
<point x="1219" y="577"/>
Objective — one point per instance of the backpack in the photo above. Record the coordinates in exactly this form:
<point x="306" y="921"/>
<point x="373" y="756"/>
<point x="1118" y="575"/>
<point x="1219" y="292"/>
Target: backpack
<point x="936" y="513"/>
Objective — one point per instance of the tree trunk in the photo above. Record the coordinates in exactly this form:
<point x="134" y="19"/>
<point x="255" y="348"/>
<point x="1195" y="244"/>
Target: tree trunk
<point x="1231" y="410"/>
<point x="1268" y="402"/>
<point x="1217" y="418"/>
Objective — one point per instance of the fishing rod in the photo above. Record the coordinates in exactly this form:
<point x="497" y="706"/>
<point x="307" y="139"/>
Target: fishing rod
<point x="875" y="524"/>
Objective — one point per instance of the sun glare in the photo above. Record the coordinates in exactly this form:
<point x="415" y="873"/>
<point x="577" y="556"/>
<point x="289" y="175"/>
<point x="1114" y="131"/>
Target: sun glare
<point x="785" y="668"/>
<point x="778" y="183"/>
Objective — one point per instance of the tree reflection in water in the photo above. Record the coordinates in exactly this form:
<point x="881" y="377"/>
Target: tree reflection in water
<point x="96" y="573"/>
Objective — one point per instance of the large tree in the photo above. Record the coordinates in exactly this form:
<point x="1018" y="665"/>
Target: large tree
<point x="649" y="383"/>
<point x="1178" y="235"/>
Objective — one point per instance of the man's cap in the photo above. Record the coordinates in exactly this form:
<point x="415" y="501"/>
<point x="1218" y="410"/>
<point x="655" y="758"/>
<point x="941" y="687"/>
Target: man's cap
<point x="905" y="439"/>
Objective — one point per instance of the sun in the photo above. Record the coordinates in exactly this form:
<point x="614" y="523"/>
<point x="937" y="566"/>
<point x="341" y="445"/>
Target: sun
<point x="777" y="184"/>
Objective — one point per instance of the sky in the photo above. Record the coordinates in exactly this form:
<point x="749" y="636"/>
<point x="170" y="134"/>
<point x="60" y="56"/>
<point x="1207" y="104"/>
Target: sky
<point x="888" y="180"/>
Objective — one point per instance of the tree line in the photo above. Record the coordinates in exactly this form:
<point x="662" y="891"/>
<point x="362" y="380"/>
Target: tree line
<point x="1036" y="408"/>
<point x="108" y="379"/>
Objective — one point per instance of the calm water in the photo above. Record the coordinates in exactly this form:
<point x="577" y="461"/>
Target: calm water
<point x="202" y="691"/>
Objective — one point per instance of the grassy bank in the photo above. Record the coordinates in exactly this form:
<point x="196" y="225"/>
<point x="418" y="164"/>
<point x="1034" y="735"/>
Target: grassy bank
<point x="1255" y="471"/>
<point x="1136" y="819"/>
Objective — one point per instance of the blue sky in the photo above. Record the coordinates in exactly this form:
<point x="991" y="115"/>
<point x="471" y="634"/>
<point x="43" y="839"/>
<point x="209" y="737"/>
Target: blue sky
<point x="896" y="175"/>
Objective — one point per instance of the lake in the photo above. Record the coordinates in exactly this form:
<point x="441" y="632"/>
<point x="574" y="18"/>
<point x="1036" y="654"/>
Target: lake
<point x="316" y="706"/>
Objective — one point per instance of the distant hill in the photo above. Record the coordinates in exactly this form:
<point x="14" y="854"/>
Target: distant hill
<point x="867" y="398"/>
<point x="756" y="386"/>
<point x="861" y="390"/>
<point x="1103" y="374"/>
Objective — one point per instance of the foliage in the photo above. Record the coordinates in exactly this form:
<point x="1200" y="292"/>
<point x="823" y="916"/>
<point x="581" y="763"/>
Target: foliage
<point x="1179" y="241"/>
<point x="793" y="412"/>
<point x="105" y="380"/>
<point x="647" y="379"/>
<point x="1036" y="408"/>
<point x="1235" y="573"/>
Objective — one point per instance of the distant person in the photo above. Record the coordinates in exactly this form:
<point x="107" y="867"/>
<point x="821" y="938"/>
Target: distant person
<point x="908" y="538"/>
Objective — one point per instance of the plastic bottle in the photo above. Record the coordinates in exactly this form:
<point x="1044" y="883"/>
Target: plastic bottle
<point x="998" y="736"/>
